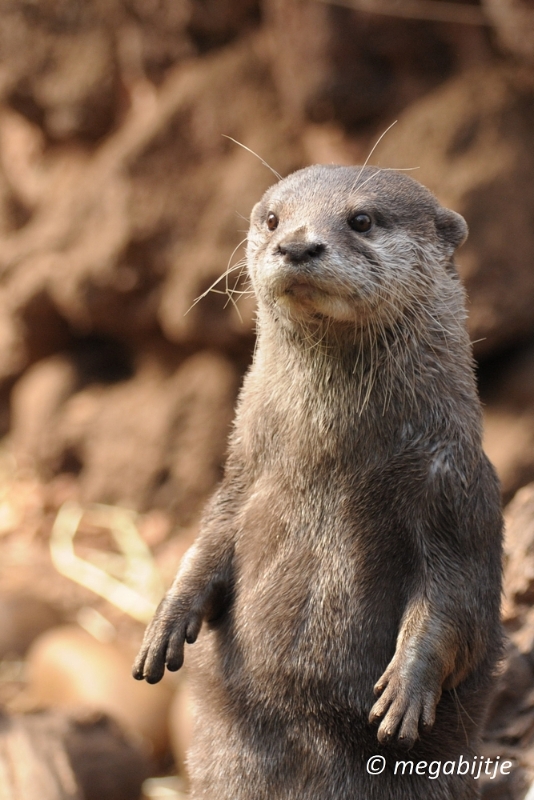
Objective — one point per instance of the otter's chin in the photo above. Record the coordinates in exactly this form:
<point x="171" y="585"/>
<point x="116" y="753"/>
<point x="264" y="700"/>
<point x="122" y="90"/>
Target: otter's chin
<point x="303" y="301"/>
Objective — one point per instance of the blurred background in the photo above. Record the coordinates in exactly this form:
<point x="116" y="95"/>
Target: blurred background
<point x="122" y="201"/>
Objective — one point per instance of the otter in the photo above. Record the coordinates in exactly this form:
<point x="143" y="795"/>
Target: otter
<point x="348" y="569"/>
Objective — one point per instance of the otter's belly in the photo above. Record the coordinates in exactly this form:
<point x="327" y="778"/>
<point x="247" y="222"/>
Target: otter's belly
<point x="306" y="626"/>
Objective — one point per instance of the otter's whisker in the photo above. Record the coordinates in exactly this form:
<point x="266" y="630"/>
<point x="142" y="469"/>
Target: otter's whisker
<point x="372" y="151"/>
<point x="240" y="265"/>
<point x="265" y="164"/>
<point x="212" y="288"/>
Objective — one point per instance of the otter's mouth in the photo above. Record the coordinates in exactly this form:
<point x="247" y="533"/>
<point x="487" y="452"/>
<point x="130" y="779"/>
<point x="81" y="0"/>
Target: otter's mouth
<point x="303" y="299"/>
<point x="302" y="290"/>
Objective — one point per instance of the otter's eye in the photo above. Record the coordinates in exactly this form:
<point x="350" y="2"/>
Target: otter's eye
<point x="272" y="221"/>
<point x="361" y="223"/>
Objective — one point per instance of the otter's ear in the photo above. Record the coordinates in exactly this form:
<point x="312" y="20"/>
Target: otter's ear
<point x="451" y="228"/>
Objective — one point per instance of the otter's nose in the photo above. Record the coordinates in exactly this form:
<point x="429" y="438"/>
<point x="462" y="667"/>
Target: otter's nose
<point x="298" y="250"/>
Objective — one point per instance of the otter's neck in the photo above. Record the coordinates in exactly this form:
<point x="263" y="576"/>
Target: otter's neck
<point x="322" y="388"/>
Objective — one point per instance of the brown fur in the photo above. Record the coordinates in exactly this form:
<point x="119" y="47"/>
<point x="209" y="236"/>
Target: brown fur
<point x="354" y="546"/>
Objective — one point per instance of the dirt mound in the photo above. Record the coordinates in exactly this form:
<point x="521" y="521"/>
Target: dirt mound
<point x="471" y="142"/>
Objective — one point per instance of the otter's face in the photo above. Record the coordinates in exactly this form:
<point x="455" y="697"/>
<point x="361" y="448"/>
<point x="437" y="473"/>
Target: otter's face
<point x="348" y="244"/>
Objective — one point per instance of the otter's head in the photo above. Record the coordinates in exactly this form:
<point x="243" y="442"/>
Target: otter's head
<point x="349" y="244"/>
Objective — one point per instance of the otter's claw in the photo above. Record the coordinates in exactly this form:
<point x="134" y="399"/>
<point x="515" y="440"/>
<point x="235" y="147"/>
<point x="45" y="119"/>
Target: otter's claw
<point x="163" y="643"/>
<point x="403" y="708"/>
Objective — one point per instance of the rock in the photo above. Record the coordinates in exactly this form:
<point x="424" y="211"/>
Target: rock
<point x="509" y="444"/>
<point x="68" y="669"/>
<point x="53" y="756"/>
<point x="508" y="381"/>
<point x="33" y="762"/>
<point x="519" y="622"/>
<point x="471" y="142"/>
<point x="157" y="439"/>
<point x="515" y="681"/>
<point x="510" y="723"/>
<point x="508" y="727"/>
<point x="519" y="548"/>
<point x="107" y="765"/>
<point x="506" y="385"/>
<point x="510" y="786"/>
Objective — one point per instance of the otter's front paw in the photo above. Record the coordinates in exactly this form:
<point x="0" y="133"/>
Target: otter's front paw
<point x="407" y="704"/>
<point x="175" y="622"/>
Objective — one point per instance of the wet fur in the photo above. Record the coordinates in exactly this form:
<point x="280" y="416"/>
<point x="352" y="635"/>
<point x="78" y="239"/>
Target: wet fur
<point x="348" y="568"/>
